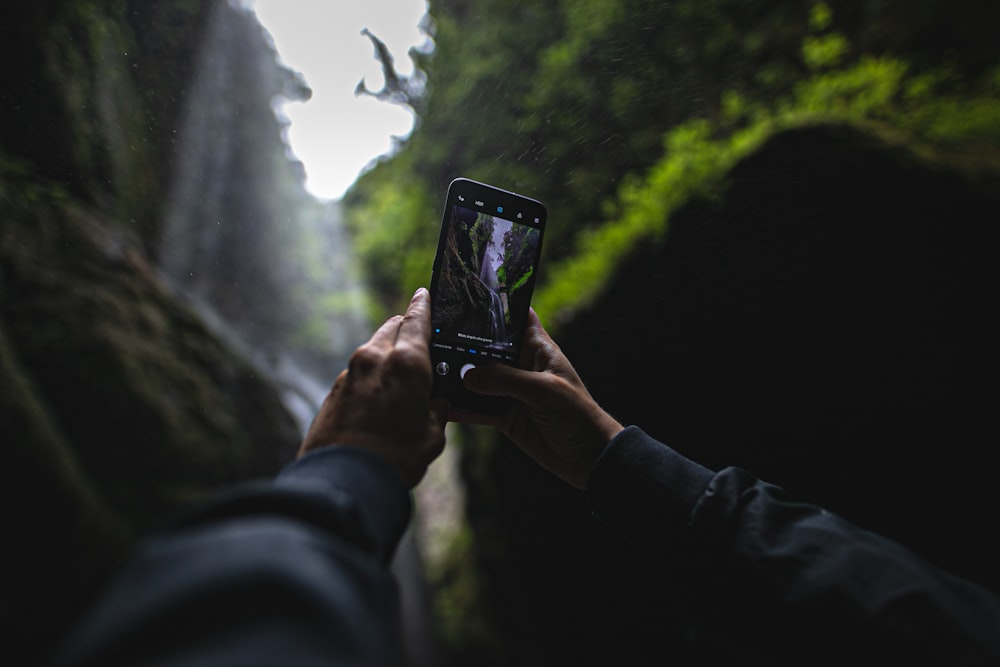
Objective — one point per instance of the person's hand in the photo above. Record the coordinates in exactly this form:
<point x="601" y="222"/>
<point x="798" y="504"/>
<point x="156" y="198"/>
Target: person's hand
<point x="382" y="401"/>
<point x="554" y="418"/>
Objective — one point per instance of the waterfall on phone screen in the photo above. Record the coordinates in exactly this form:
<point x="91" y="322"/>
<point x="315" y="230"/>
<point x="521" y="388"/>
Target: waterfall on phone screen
<point x="488" y="275"/>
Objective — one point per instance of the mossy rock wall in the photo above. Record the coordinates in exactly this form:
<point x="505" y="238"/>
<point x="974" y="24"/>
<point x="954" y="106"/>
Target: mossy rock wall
<point x="822" y="322"/>
<point x="119" y="405"/>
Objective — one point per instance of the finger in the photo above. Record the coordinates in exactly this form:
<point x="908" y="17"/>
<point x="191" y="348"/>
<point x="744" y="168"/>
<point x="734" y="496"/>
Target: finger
<point x="534" y="338"/>
<point x="337" y="386"/>
<point x="386" y="334"/>
<point x="465" y="417"/>
<point x="415" y="329"/>
<point x="440" y="408"/>
<point x="503" y="380"/>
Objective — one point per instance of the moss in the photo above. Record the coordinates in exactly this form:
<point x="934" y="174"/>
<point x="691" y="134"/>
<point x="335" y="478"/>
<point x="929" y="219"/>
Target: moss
<point x="151" y="401"/>
<point x="460" y="620"/>
<point x="923" y="109"/>
<point x="88" y="55"/>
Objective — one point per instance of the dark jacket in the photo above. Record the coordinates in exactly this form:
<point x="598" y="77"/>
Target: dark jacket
<point x="295" y="572"/>
<point x="785" y="580"/>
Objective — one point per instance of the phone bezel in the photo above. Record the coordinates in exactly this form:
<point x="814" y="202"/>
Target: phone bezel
<point x="506" y="205"/>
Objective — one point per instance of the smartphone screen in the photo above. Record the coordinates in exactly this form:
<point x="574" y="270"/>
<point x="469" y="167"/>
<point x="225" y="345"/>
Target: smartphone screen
<point x="483" y="277"/>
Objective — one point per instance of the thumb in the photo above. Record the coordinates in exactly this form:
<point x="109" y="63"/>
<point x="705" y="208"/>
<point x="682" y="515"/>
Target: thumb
<point x="500" y="380"/>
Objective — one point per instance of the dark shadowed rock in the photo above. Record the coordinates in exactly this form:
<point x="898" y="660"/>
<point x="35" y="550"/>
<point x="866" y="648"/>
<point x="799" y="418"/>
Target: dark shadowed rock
<point x="820" y="323"/>
<point x="118" y="404"/>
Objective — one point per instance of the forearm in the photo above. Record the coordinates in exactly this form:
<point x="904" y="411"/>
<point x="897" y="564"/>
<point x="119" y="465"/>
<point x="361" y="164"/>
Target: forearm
<point x="842" y="584"/>
<point x="297" y="568"/>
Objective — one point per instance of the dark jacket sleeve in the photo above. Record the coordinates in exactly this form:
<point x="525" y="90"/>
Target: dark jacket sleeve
<point x="292" y="572"/>
<point x="836" y="588"/>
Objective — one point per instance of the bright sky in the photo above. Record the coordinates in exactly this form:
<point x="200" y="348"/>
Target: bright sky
<point x="336" y="134"/>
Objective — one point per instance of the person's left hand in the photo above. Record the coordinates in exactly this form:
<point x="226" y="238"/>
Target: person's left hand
<point x="382" y="401"/>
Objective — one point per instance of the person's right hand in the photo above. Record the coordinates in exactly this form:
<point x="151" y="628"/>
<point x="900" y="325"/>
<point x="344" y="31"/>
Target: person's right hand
<point x="554" y="418"/>
<point x="382" y="401"/>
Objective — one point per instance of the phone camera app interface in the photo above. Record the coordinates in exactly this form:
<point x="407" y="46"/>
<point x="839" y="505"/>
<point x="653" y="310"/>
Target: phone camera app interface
<point x="485" y="283"/>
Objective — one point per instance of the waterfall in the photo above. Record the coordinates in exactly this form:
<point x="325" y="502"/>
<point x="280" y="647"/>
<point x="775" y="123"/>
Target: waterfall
<point x="497" y="310"/>
<point x="268" y="265"/>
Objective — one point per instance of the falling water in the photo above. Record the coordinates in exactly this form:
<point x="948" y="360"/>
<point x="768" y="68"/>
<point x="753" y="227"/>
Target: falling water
<point x="241" y="237"/>
<point x="488" y="276"/>
<point x="258" y="255"/>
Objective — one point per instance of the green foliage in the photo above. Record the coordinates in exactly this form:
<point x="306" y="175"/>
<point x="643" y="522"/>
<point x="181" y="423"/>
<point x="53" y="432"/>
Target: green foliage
<point x="525" y="277"/>
<point x="329" y="299"/>
<point x="394" y="225"/>
<point x="88" y="55"/>
<point x="481" y="235"/>
<point x="20" y="187"/>
<point x="519" y="255"/>
<point x="952" y="121"/>
<point x="824" y="51"/>
<point x="820" y="17"/>
<point x="616" y="113"/>
<point x="860" y="91"/>
<point x="693" y="165"/>
<point x="460" y="620"/>
<point x="697" y="154"/>
<point x="562" y="100"/>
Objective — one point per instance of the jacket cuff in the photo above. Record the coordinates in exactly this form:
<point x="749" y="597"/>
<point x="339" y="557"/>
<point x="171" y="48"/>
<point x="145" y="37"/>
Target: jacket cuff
<point x="359" y="483"/>
<point x="644" y="488"/>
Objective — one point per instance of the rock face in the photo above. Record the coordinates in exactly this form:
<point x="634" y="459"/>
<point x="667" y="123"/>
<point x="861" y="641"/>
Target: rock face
<point x="118" y="404"/>
<point x="822" y="323"/>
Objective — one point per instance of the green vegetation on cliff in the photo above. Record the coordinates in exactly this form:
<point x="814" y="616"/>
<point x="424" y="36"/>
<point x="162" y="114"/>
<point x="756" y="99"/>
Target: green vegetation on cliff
<point x="614" y="114"/>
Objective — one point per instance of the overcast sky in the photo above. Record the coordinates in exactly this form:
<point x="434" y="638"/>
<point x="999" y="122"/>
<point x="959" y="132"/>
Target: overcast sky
<point x="335" y="134"/>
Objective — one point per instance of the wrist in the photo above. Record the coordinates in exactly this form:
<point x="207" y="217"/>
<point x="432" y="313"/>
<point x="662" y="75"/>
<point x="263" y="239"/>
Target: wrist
<point x="361" y="479"/>
<point x="606" y="429"/>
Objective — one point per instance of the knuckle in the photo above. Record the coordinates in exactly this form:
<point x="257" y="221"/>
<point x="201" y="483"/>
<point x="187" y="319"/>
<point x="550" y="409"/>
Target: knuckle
<point x="363" y="359"/>
<point x="404" y="359"/>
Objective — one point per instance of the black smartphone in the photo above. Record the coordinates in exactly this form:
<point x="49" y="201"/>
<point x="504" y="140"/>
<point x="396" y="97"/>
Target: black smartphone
<point x="484" y="273"/>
